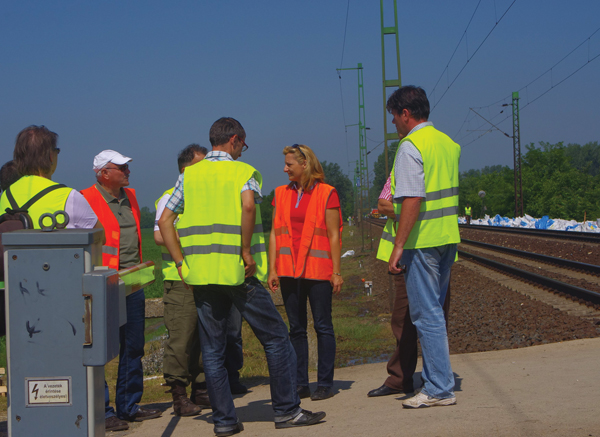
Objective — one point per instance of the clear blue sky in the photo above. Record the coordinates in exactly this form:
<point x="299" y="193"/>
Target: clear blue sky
<point x="147" y="78"/>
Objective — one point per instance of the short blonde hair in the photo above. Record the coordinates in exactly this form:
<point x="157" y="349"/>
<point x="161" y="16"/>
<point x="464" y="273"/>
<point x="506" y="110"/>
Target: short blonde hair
<point x="313" y="172"/>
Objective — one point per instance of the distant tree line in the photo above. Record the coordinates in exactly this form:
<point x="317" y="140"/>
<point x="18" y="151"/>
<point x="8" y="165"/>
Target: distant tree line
<point x="559" y="181"/>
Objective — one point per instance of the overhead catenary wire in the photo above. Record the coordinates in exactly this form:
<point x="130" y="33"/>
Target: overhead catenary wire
<point x="526" y="87"/>
<point x="455" y="49"/>
<point x="345" y="29"/>
<point x="341" y="92"/>
<point x="469" y="57"/>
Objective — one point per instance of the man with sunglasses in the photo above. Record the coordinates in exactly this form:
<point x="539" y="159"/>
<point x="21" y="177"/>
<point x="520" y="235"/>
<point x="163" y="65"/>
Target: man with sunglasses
<point x="118" y="211"/>
<point x="224" y="259"/>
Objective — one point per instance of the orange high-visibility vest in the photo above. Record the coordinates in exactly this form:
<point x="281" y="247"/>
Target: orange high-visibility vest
<point x="112" y="230"/>
<point x="314" y="254"/>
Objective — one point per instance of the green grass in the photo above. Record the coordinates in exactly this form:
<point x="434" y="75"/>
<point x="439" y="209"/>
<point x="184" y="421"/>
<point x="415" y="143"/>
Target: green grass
<point x="154" y="329"/>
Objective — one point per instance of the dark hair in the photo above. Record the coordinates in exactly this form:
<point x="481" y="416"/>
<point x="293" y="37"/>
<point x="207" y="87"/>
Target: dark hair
<point x="187" y="155"/>
<point x="223" y="129"/>
<point x="8" y="175"/>
<point x="413" y="99"/>
<point x="33" y="150"/>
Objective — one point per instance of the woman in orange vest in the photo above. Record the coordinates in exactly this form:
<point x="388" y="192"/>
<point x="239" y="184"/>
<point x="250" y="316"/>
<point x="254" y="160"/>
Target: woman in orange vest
<point x="304" y="259"/>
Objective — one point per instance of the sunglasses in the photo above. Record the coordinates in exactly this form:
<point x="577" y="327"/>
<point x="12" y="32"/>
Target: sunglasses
<point x="297" y="146"/>
<point x="57" y="150"/>
<point x="122" y="168"/>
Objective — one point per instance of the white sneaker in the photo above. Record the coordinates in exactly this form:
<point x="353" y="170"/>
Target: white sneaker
<point x="422" y="400"/>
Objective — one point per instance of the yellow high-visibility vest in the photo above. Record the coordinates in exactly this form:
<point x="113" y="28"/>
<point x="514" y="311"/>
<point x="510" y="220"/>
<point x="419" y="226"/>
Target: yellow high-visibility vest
<point x="168" y="265"/>
<point x="437" y="224"/>
<point x="27" y="187"/>
<point x="210" y="226"/>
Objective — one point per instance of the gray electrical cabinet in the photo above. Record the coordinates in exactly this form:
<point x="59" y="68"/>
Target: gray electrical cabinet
<point x="63" y="319"/>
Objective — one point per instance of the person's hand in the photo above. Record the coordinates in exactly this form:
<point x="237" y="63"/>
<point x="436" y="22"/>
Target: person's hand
<point x="181" y="276"/>
<point x="249" y="264"/>
<point x="336" y="282"/>
<point x="273" y="281"/>
<point x="395" y="260"/>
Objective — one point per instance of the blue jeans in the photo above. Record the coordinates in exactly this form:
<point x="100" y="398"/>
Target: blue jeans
<point x="130" y="378"/>
<point x="295" y="293"/>
<point x="234" y="352"/>
<point x="427" y="276"/>
<point x="257" y="308"/>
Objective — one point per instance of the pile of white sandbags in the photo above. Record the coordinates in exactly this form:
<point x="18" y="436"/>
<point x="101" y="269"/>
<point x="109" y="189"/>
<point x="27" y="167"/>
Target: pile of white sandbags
<point x="542" y="223"/>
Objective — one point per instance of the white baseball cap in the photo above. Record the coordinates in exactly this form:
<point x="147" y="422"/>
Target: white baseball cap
<point x="106" y="156"/>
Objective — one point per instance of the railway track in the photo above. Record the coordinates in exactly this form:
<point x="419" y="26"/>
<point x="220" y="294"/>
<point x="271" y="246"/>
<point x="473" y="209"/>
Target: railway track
<point x="565" y="289"/>
<point x="546" y="233"/>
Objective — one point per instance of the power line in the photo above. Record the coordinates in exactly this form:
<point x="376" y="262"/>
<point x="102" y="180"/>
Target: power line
<point x="552" y="85"/>
<point x="345" y="28"/>
<point x="456" y="48"/>
<point x="341" y="93"/>
<point x="474" y="53"/>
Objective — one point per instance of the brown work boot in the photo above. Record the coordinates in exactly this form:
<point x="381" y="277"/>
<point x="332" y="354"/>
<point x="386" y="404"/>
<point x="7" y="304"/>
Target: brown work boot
<point x="182" y="406"/>
<point x="199" y="395"/>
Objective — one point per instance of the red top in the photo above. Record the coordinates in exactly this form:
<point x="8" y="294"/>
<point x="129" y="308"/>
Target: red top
<point x="298" y="213"/>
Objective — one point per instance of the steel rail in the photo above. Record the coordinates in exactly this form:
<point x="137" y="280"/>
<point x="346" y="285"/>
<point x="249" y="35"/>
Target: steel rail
<point x="561" y="287"/>
<point x="550" y="233"/>
<point x="589" y="268"/>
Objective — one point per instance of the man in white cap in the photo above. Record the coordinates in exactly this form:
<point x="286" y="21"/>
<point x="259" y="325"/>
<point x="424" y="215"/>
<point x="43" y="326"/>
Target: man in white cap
<point x="119" y="212"/>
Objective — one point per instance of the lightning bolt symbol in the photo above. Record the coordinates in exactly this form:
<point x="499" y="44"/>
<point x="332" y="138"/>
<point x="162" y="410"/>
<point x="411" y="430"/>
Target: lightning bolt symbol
<point x="35" y="390"/>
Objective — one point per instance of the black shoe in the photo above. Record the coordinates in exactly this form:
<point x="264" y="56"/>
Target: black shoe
<point x="145" y="414"/>
<point x="321" y="393"/>
<point x="384" y="390"/>
<point x="304" y="418"/>
<point x="224" y="431"/>
<point x="303" y="391"/>
<point x="113" y="423"/>
<point x="238" y="388"/>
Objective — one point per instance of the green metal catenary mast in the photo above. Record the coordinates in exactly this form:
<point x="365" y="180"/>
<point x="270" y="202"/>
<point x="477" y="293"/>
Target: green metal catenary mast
<point x="362" y="165"/>
<point x="391" y="82"/>
<point x="517" y="155"/>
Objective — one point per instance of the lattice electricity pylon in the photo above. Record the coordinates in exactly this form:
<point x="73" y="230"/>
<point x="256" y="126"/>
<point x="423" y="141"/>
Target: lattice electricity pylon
<point x="387" y="83"/>
<point x="363" y="164"/>
<point x="517" y="155"/>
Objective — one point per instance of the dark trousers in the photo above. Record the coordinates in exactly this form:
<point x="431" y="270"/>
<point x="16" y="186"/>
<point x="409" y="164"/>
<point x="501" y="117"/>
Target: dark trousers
<point x="130" y="378"/>
<point x="214" y="304"/>
<point x="403" y="363"/>
<point x="182" y="362"/>
<point x="295" y="293"/>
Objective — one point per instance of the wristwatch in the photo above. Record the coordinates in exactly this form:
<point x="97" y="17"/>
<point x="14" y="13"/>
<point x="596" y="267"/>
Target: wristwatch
<point x="179" y="264"/>
<point x="339" y="274"/>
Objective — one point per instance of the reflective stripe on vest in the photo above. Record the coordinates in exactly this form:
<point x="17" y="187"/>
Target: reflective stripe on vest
<point x="314" y="255"/>
<point x="110" y="250"/>
<point x="437" y="223"/>
<point x="112" y="230"/>
<point x="388" y="237"/>
<point x="211" y="224"/>
<point x="169" y="270"/>
<point x="27" y="187"/>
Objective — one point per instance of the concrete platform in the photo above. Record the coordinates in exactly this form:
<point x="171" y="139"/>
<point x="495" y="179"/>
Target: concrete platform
<point x="549" y="390"/>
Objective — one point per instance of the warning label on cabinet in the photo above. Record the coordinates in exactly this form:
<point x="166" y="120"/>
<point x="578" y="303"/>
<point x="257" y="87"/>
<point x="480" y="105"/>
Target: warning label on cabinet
<point x="48" y="391"/>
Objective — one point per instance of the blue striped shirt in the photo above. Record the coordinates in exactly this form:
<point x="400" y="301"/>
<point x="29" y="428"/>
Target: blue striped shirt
<point x="176" y="202"/>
